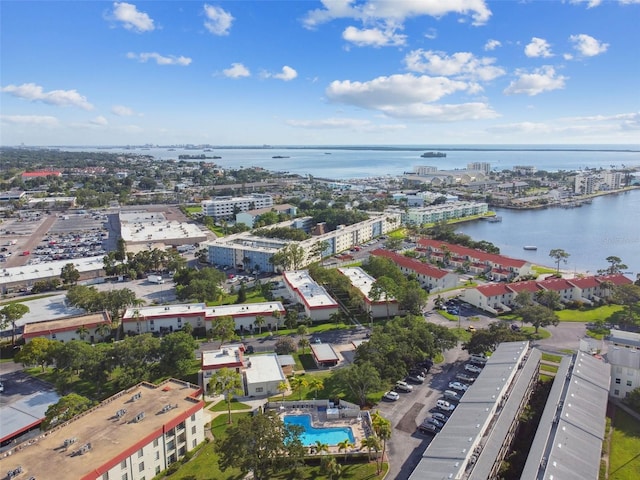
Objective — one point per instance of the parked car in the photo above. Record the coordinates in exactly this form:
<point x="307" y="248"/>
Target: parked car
<point x="440" y="417"/>
<point x="471" y="329"/>
<point x="391" y="396"/>
<point x="415" y="378"/>
<point x="472" y="368"/>
<point x="452" y="395"/>
<point x="434" y="421"/>
<point x="445" y="406"/>
<point x="515" y="328"/>
<point x="403" y="386"/>
<point x="428" y="428"/>
<point x="478" y="359"/>
<point x="422" y="371"/>
<point x="463" y="377"/>
<point x="458" y="386"/>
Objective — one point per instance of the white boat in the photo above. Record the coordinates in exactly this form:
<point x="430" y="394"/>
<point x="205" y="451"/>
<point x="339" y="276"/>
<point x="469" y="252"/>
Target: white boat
<point x="530" y="247"/>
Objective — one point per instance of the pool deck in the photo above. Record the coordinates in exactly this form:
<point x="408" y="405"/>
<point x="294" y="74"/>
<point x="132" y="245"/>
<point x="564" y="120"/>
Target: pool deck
<point x="358" y="425"/>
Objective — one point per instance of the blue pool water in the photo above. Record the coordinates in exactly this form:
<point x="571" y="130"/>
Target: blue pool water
<point x="329" y="435"/>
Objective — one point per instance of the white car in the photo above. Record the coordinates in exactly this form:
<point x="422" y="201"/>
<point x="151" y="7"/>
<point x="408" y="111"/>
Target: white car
<point x="404" y="386"/>
<point x="392" y="396"/>
<point x="458" y="386"/>
<point x="472" y="368"/>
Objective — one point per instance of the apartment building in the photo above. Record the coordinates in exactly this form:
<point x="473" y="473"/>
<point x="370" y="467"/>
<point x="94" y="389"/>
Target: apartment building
<point x="133" y="435"/>
<point x="78" y="327"/>
<point x="317" y="303"/>
<point x="228" y="207"/>
<point x="446" y="211"/>
<point x="362" y="281"/>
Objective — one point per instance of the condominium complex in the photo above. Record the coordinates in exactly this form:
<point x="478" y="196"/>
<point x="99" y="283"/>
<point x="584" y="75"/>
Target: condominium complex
<point x="446" y="211"/>
<point x="228" y="207"/>
<point x="133" y="435"/>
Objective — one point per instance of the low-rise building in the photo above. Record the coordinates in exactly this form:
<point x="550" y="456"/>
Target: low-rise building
<point x="133" y="435"/>
<point x="317" y="303"/>
<point x="263" y="375"/>
<point x="433" y="278"/>
<point x="245" y="315"/>
<point x="625" y="370"/>
<point x="324" y="355"/>
<point x="249" y="217"/>
<point x="624" y="339"/>
<point x="362" y="281"/>
<point x="445" y="211"/>
<point x="78" y="327"/>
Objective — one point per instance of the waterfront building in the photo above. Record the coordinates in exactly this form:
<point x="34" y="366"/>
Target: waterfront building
<point x="569" y="437"/>
<point x="227" y="207"/>
<point x="433" y="278"/>
<point x="362" y="282"/>
<point x="317" y="303"/>
<point x="584" y="184"/>
<point x="525" y="170"/>
<point x="132" y="435"/>
<point x="484" y="167"/>
<point x="497" y="267"/>
<point x="499" y="297"/>
<point x="69" y="328"/>
<point x="439" y="178"/>
<point x="445" y="211"/>
<point x="611" y="181"/>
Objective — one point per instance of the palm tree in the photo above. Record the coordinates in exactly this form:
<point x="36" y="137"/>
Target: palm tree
<point x="104" y="329"/>
<point x="336" y="317"/>
<point x="303" y="343"/>
<point x="382" y="428"/>
<point x="82" y="332"/>
<point x="315" y="383"/>
<point x="227" y="382"/>
<point x="345" y="445"/>
<point x="297" y="384"/>
<point x="331" y="467"/>
<point x="370" y="443"/>
<point x="321" y="447"/>
<point x="277" y="316"/>
<point x="259" y="321"/>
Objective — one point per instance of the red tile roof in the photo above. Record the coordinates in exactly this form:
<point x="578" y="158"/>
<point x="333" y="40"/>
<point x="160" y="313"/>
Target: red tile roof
<point x="472" y="253"/>
<point x="585" y="282"/>
<point x="42" y="173"/>
<point x="494" y="289"/>
<point x="529" y="286"/>
<point x="410" y="263"/>
<point x="555" y="284"/>
<point x="616" y="279"/>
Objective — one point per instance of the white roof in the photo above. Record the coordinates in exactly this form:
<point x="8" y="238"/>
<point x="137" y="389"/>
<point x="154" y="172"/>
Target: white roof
<point x="264" y="368"/>
<point x="165" y="310"/>
<point x="309" y="291"/>
<point x="360" y="280"/>
<point x="154" y="227"/>
<point x="31" y="273"/>
<point x="263" y="308"/>
<point x="219" y="358"/>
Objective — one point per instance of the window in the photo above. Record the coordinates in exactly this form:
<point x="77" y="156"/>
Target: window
<point x="155" y="442"/>
<point x="618" y="381"/>
<point x="193" y="430"/>
<point x="140" y="453"/>
<point x="157" y="455"/>
<point x="123" y="464"/>
<point x="141" y="467"/>
<point x="105" y="476"/>
<point x="628" y="383"/>
<point x="194" y="443"/>
<point x="193" y="417"/>
<point x="158" y="470"/>
<point x="125" y="476"/>
<point x="616" y="392"/>
<point x="259" y="389"/>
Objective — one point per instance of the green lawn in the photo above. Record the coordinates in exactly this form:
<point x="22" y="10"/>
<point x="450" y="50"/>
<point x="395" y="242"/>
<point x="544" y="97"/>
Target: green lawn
<point x="191" y="209"/>
<point x="624" y="460"/>
<point x="548" y="368"/>
<point x="551" y="358"/>
<point x="590" y="315"/>
<point x="235" y="405"/>
<point x="542" y="270"/>
<point x="400" y="233"/>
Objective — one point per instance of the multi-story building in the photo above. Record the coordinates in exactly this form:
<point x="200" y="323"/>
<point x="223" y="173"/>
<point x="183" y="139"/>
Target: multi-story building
<point x="249" y="217"/>
<point x="228" y="207"/>
<point x="525" y="170"/>
<point x="79" y="327"/>
<point x="428" y="276"/>
<point x="484" y="167"/>
<point x="611" y="181"/>
<point x="249" y="251"/>
<point x="584" y="184"/>
<point x="625" y="370"/>
<point x="133" y="435"/>
<point x="446" y="211"/>
<point x="317" y="303"/>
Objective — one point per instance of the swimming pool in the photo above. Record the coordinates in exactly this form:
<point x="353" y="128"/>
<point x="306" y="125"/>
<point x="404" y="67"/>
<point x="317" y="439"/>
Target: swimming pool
<point x="311" y="434"/>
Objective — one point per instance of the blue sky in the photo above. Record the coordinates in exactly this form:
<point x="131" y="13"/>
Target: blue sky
<point x="332" y="72"/>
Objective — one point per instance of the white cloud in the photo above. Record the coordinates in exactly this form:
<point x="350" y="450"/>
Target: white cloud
<point x="330" y="123"/>
<point x="542" y="79"/>
<point x="590" y="3"/>
<point x="395" y="12"/>
<point x="160" y="59"/>
<point x="286" y="74"/>
<point x="218" y="20"/>
<point x="463" y="65"/>
<point x="588" y="46"/>
<point x="442" y="113"/>
<point x="131" y="18"/>
<point x="492" y="44"/>
<point x="31" y="120"/>
<point x="538" y="48"/>
<point x="237" y="70"/>
<point x="374" y="37"/>
<point x="100" y="121"/>
<point x="63" y="98"/>
<point x="122" y="111"/>
<point x="431" y="34"/>
<point x="395" y="89"/>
